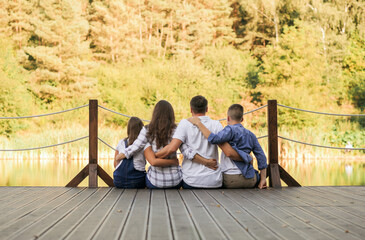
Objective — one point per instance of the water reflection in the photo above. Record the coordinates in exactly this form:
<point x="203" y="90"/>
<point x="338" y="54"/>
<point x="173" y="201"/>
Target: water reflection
<point x="308" y="172"/>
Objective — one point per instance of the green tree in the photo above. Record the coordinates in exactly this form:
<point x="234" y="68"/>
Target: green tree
<point x="14" y="98"/>
<point x="354" y="71"/>
<point x="58" y="54"/>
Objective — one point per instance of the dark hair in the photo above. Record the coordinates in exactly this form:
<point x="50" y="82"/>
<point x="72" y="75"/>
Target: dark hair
<point x="235" y="111"/>
<point x="162" y="124"/>
<point x="199" y="104"/>
<point x="135" y="125"/>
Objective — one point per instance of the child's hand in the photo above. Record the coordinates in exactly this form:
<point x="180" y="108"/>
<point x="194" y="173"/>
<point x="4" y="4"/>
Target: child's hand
<point x="194" y="120"/>
<point x="212" y="164"/>
<point x="262" y="184"/>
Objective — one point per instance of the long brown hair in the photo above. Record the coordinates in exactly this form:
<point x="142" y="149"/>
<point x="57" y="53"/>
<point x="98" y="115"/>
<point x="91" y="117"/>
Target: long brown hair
<point x="162" y="124"/>
<point x="134" y="127"/>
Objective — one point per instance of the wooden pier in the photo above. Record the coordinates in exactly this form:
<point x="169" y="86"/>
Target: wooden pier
<point x="110" y="213"/>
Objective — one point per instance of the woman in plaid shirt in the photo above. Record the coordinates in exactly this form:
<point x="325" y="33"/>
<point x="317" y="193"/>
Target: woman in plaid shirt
<point x="159" y="134"/>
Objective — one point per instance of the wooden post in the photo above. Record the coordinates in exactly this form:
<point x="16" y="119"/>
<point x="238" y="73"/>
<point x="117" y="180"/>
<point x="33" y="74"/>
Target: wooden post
<point x="93" y="170"/>
<point x="272" y="119"/>
<point x="93" y="143"/>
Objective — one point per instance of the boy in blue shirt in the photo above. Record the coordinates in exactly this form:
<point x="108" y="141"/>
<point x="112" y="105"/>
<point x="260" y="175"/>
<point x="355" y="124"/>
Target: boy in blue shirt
<point x="239" y="173"/>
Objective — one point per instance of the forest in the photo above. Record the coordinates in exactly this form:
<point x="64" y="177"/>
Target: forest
<point x="129" y="54"/>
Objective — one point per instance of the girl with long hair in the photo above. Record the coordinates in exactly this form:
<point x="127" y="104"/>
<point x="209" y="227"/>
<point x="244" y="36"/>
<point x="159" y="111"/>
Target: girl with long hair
<point x="130" y="173"/>
<point x="166" y="173"/>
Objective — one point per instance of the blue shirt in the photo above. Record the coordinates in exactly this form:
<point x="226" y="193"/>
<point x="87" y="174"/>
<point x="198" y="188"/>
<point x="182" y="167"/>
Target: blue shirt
<point x="244" y="142"/>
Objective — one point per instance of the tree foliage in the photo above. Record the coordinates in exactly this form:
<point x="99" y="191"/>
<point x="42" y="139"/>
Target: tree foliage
<point x="307" y="54"/>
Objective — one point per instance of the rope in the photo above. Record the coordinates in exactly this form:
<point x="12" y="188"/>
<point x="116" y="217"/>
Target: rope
<point x="263" y="136"/>
<point x="27" y="149"/>
<point x="315" y="145"/>
<point x="106" y="144"/>
<point x="47" y="114"/>
<point x="246" y="112"/>
<point x="333" y="114"/>
<point x="149" y="120"/>
<point x="101" y="140"/>
<point x="120" y="113"/>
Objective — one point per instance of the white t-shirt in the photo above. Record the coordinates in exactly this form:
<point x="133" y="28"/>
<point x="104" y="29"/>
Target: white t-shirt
<point x="139" y="162"/>
<point x="195" y="174"/>
<point x="228" y="166"/>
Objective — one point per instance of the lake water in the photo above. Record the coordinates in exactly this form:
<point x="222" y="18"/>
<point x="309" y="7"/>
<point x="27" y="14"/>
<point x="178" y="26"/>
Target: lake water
<point x="309" y="172"/>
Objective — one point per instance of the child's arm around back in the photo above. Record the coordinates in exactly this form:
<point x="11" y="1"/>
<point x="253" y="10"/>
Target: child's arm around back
<point x="220" y="138"/>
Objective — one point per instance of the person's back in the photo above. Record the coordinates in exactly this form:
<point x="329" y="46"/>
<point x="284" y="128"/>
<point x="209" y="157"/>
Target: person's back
<point x="160" y="131"/>
<point x="163" y="176"/>
<point x="195" y="174"/>
<point x="242" y="140"/>
<point x="237" y="173"/>
<point x="130" y="172"/>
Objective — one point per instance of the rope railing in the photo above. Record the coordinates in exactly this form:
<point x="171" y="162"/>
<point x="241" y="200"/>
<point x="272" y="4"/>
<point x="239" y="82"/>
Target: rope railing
<point x="264" y="106"/>
<point x="125" y="115"/>
<point x="119" y="113"/>
<point x="101" y="140"/>
<point x="265" y="136"/>
<point x="322" y="146"/>
<point x="46" y="114"/>
<point x="35" y="148"/>
<point x="323" y="113"/>
<point x="223" y="119"/>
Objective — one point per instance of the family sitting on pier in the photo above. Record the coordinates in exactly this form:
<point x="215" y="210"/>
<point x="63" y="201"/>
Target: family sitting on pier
<point x="197" y="138"/>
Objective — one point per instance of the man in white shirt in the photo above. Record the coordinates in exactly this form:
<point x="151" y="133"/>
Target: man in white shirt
<point x="196" y="175"/>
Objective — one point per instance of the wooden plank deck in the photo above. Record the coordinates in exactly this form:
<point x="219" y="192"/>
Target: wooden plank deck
<point x="110" y="213"/>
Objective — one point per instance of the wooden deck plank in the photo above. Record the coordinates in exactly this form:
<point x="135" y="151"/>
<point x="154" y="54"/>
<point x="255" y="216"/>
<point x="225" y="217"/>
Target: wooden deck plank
<point x="338" y="195"/>
<point x="182" y="224"/>
<point x="67" y="224"/>
<point x="327" y="213"/>
<point x="17" y="196"/>
<point x="337" y="210"/>
<point x="7" y="193"/>
<point x="347" y="205"/>
<point x="113" y="225"/>
<point x="39" y="220"/>
<point x="247" y="220"/>
<point x="336" y="213"/>
<point x="278" y="227"/>
<point x="336" y="232"/>
<point x="32" y="215"/>
<point x="23" y="201"/>
<point x="231" y="228"/>
<point x="159" y="224"/>
<point x="136" y="224"/>
<point x="57" y="216"/>
<point x="110" y="213"/>
<point x="276" y="209"/>
<point x="206" y="226"/>
<point x="355" y="191"/>
<point x="88" y="226"/>
<point x="9" y="190"/>
<point x="26" y="208"/>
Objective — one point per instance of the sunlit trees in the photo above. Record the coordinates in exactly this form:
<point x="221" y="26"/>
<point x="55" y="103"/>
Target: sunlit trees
<point x="58" y="53"/>
<point x="254" y="47"/>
